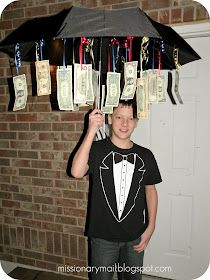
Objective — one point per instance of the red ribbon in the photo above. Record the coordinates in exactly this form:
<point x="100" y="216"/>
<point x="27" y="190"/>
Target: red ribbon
<point x="159" y="62"/>
<point x="82" y="42"/>
<point x="114" y="41"/>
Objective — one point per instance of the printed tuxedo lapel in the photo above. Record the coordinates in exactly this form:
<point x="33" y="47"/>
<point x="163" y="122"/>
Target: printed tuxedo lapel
<point x="108" y="185"/>
<point x="135" y="186"/>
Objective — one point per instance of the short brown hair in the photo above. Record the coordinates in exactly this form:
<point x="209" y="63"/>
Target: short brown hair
<point x="130" y="102"/>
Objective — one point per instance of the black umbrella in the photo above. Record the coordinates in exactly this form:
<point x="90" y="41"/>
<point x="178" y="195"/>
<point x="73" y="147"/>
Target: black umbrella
<point x="77" y="22"/>
<point x="32" y="31"/>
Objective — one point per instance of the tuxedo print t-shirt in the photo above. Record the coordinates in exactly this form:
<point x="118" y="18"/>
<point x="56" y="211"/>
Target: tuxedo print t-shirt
<point x="118" y="177"/>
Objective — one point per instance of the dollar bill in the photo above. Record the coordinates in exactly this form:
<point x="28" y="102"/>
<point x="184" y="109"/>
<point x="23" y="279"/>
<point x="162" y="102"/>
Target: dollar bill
<point x="130" y="77"/>
<point x="104" y="108"/>
<point x="161" y="97"/>
<point x="142" y="98"/>
<point x="89" y="89"/>
<point x="176" y="87"/>
<point x="43" y="77"/>
<point x="101" y="132"/>
<point x="21" y="92"/>
<point x="80" y="83"/>
<point x="113" y="89"/>
<point x="152" y="86"/>
<point x="95" y="82"/>
<point x="107" y="110"/>
<point x="64" y="88"/>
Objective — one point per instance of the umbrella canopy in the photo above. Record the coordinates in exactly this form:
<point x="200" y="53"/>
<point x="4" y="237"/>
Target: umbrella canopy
<point x="77" y="22"/>
<point x="106" y="23"/>
<point x="31" y="31"/>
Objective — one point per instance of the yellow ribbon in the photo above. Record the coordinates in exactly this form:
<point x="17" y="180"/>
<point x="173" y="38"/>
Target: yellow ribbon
<point x="176" y="58"/>
<point x="145" y="39"/>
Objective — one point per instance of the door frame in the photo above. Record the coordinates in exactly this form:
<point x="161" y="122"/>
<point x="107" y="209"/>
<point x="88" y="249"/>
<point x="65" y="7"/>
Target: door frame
<point x="195" y="30"/>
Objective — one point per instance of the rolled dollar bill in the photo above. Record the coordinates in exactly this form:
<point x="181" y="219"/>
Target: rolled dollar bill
<point x="176" y="87"/>
<point x="90" y="97"/>
<point x="21" y="92"/>
<point x="95" y="82"/>
<point x="142" y="98"/>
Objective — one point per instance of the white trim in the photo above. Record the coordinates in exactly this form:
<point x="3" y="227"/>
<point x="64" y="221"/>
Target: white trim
<point x="193" y="30"/>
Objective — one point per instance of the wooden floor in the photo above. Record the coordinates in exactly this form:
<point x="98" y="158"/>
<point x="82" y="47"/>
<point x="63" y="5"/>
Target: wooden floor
<point x="30" y="274"/>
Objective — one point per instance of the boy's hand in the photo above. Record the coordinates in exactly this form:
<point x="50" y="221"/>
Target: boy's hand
<point x="96" y="119"/>
<point x="145" y="238"/>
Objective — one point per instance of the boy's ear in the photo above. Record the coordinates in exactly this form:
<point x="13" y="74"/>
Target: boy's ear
<point x="110" y="119"/>
<point x="136" y="122"/>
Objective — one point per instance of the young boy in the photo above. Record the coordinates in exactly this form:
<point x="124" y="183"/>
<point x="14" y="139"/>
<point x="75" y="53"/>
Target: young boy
<point x="124" y="197"/>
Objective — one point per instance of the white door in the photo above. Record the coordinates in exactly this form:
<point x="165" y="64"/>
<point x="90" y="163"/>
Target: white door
<point x="179" y="136"/>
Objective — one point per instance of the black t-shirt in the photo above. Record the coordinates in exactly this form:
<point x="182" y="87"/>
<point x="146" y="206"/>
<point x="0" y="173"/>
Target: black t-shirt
<point x="118" y="210"/>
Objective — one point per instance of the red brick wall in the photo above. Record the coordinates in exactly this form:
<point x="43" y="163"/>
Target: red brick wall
<point x="43" y="210"/>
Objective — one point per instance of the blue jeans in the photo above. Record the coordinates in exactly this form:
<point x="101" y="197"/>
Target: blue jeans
<point x="110" y="256"/>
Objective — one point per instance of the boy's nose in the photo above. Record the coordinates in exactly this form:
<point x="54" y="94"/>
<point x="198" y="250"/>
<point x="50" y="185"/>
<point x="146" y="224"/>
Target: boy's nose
<point x="124" y="122"/>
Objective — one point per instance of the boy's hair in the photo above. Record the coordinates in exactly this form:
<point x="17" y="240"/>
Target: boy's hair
<point x="130" y="102"/>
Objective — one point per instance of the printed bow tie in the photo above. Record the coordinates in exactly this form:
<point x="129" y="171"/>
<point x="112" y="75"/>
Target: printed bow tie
<point x="118" y="158"/>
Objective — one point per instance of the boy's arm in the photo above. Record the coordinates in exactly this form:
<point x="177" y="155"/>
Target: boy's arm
<point x="80" y="161"/>
<point x="152" y="202"/>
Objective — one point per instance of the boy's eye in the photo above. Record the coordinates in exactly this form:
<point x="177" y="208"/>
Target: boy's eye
<point x="118" y="117"/>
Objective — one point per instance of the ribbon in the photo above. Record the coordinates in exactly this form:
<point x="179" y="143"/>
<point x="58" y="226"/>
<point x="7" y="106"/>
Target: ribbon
<point x="130" y="42"/>
<point x="37" y="52"/>
<point x="176" y="87"/>
<point x="91" y="52"/>
<point x="73" y="55"/>
<point x="114" y="42"/>
<point x="82" y="42"/>
<point x="176" y="58"/>
<point x="64" y="52"/>
<point x="86" y="48"/>
<point x="126" y="50"/>
<point x="86" y="45"/>
<point x="118" y="52"/>
<point x="41" y="44"/>
<point x="109" y="58"/>
<point x="159" y="62"/>
<point x="17" y="57"/>
<point x="153" y="57"/>
<point x="169" y="88"/>
<point x="113" y="59"/>
<point x="144" y="52"/>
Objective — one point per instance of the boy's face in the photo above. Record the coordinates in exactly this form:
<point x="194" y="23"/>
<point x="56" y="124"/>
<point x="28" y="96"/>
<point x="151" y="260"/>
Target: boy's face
<point x="122" y="121"/>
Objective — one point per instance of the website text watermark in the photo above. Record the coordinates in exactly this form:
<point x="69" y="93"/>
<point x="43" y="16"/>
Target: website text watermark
<point x="113" y="268"/>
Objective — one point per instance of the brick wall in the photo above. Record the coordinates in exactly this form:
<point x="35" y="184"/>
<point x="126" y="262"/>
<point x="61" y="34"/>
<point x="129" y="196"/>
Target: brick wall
<point x="42" y="209"/>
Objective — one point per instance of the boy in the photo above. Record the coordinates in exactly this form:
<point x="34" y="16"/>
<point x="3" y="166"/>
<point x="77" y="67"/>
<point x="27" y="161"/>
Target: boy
<point x="124" y="197"/>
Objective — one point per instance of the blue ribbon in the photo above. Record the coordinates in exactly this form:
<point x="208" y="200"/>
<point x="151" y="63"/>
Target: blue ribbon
<point x="162" y="47"/>
<point x="17" y="57"/>
<point x="64" y="52"/>
<point x="117" y="55"/>
<point x="41" y="43"/>
<point x="113" y="59"/>
<point x="126" y="54"/>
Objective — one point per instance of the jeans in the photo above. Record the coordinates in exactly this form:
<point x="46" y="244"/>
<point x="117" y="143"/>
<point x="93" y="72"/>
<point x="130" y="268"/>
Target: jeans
<point x="110" y="256"/>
